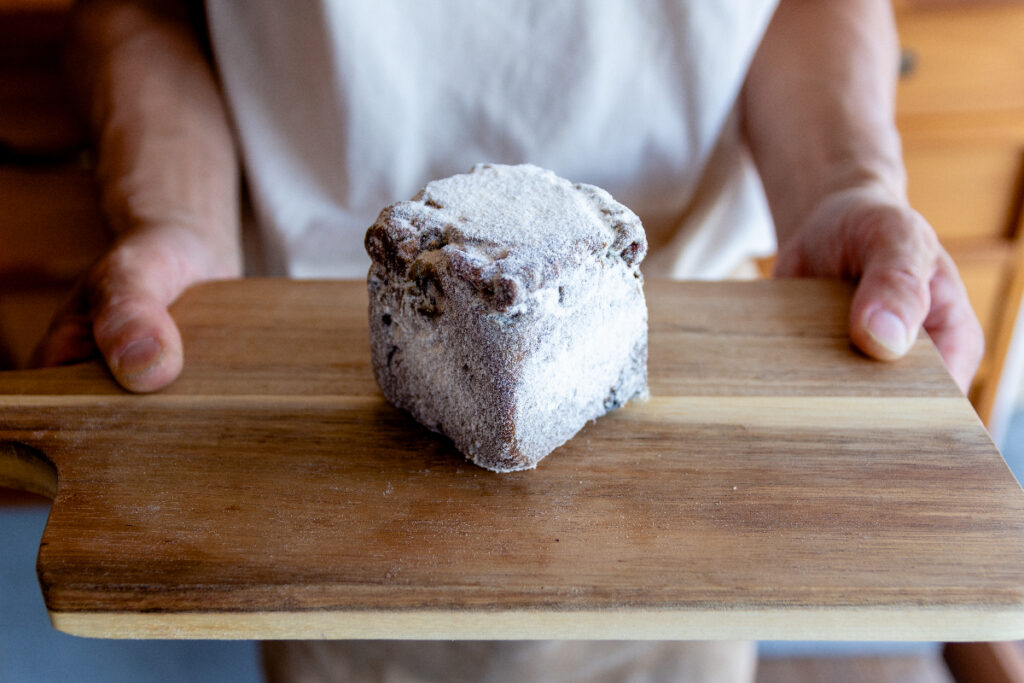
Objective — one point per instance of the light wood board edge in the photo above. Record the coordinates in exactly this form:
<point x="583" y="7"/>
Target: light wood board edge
<point x="858" y="624"/>
<point x="762" y="411"/>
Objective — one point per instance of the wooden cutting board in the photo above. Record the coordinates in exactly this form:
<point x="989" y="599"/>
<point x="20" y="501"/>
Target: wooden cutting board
<point x="777" y="485"/>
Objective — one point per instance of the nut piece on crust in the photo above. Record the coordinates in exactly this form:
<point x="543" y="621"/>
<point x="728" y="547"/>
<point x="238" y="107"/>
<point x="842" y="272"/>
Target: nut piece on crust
<point x="507" y="310"/>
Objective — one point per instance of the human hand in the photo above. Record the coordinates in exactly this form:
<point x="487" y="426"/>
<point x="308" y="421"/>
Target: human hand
<point x="120" y="306"/>
<point x="905" y="278"/>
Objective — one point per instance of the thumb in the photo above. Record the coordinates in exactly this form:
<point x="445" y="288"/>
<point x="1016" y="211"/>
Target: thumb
<point x="125" y="321"/>
<point x="120" y="308"/>
<point x="893" y="297"/>
<point x="131" y="290"/>
<point x="138" y="338"/>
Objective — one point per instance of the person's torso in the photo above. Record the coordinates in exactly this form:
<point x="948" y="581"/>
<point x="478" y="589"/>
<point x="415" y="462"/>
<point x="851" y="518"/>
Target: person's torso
<point x="345" y="107"/>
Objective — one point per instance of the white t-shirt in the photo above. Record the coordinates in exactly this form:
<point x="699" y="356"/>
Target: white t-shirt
<point x="345" y="107"/>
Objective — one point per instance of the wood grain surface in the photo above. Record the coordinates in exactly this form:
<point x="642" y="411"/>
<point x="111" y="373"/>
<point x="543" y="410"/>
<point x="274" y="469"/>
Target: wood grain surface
<point x="777" y="485"/>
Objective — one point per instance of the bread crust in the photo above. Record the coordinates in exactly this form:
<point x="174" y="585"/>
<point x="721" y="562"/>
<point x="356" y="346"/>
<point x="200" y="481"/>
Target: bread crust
<point x="507" y="310"/>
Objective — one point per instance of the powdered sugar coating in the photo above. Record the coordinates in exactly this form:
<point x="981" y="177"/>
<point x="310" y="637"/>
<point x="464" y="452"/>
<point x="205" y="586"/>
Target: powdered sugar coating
<point x="507" y="310"/>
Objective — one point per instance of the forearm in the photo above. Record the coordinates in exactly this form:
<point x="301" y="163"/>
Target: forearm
<point x="818" y="110"/>
<point x="818" y="105"/>
<point x="166" y="157"/>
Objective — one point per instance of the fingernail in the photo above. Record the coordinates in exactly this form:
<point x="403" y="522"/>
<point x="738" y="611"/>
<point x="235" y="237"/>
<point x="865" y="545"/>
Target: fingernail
<point x="888" y="330"/>
<point x="139" y="356"/>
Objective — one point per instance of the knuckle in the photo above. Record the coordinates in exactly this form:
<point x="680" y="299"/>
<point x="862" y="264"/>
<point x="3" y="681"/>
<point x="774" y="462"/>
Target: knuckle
<point x="909" y="283"/>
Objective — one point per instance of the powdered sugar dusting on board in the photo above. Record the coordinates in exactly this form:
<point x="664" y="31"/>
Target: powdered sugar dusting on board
<point x="506" y="310"/>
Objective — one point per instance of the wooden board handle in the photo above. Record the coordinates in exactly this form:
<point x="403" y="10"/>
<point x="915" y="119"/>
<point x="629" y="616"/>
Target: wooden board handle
<point x="26" y="469"/>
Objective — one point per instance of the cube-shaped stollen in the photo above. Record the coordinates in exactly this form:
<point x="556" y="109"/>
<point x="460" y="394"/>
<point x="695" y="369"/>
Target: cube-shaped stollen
<point x="507" y="310"/>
